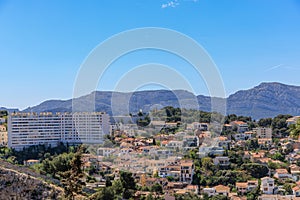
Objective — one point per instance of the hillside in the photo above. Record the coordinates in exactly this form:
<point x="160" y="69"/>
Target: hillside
<point x="264" y="100"/>
<point x="21" y="183"/>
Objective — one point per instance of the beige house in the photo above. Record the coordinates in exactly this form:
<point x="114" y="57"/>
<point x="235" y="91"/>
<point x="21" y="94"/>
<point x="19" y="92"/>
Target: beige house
<point x="3" y="136"/>
<point x="262" y="132"/>
<point x="222" y="190"/>
<point x="243" y="187"/>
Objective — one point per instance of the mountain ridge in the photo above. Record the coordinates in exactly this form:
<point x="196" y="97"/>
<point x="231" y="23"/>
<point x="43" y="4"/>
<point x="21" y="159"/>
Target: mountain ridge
<point x="267" y="99"/>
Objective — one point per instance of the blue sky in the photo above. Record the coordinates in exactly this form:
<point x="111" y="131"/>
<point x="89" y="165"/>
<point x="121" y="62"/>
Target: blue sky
<point x="43" y="43"/>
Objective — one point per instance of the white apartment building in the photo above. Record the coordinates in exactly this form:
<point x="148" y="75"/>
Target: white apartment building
<point x="262" y="132"/>
<point x="27" y="129"/>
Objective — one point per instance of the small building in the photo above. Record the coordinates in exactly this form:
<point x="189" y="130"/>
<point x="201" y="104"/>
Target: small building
<point x="267" y="185"/>
<point x="200" y="126"/>
<point x="262" y="132"/>
<point x="209" y="191"/>
<point x="282" y="174"/>
<point x="240" y="126"/>
<point x="242" y="187"/>
<point x="104" y="151"/>
<point x="221" y="161"/>
<point x="222" y="190"/>
<point x="31" y="162"/>
<point x="292" y="120"/>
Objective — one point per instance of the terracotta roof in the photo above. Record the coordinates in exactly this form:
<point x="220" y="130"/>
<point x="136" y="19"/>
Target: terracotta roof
<point x="281" y="171"/>
<point x="241" y="184"/>
<point x="165" y="142"/>
<point x="239" y="122"/>
<point x="192" y="187"/>
<point x="222" y="188"/>
<point x="222" y="138"/>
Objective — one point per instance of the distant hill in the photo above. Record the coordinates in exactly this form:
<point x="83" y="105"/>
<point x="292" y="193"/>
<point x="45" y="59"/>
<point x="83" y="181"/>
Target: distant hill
<point x="264" y="100"/>
<point x="9" y="110"/>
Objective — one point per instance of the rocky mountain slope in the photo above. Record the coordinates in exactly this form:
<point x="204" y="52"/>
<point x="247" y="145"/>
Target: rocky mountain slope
<point x="21" y="183"/>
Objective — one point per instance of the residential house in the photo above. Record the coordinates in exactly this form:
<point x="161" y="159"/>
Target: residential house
<point x="267" y="185"/>
<point x="255" y="157"/>
<point x="276" y="197"/>
<point x="265" y="142"/>
<point x="221" y="161"/>
<point x="262" y="132"/>
<point x="192" y="189"/>
<point x="170" y="170"/>
<point x="3" y="136"/>
<point x="187" y="170"/>
<point x="292" y="120"/>
<point x="223" y="142"/>
<point x="31" y="162"/>
<point x="214" y="151"/>
<point x="252" y="184"/>
<point x="222" y="190"/>
<point x="158" y="125"/>
<point x="200" y="126"/>
<point x="2" y="120"/>
<point x="242" y="187"/>
<point x="104" y="151"/>
<point x="240" y="126"/>
<point x="209" y="191"/>
<point x="241" y="136"/>
<point x="174" y="144"/>
<point x="296" y="191"/>
<point x="190" y="141"/>
<point x="295" y="172"/>
<point x="227" y="127"/>
<point x="282" y="174"/>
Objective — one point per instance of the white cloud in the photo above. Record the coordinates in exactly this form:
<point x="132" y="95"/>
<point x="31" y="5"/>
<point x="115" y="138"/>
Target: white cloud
<point x="171" y="4"/>
<point x="175" y="3"/>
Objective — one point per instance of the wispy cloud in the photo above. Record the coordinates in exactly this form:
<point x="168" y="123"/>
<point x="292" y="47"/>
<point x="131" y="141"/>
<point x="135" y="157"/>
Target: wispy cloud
<point x="175" y="3"/>
<point x="171" y="4"/>
<point x="281" y="66"/>
<point x="273" y="67"/>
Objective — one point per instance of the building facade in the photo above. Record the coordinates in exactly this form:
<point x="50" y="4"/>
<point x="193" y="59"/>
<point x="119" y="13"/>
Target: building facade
<point x="27" y="129"/>
<point x="3" y="135"/>
<point x="262" y="132"/>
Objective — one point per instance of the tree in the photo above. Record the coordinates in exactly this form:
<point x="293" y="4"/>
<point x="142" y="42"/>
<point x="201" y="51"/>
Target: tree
<point x="72" y="178"/>
<point x="127" y="180"/>
<point x="117" y="186"/>
<point x="288" y="189"/>
<point x="104" y="194"/>
<point x="207" y="163"/>
<point x="294" y="130"/>
<point x="265" y="122"/>
<point x="278" y="156"/>
<point x="256" y="170"/>
<point x="128" y="184"/>
<point x="108" y="182"/>
<point x="253" y="194"/>
<point x="220" y="197"/>
<point x="157" y="188"/>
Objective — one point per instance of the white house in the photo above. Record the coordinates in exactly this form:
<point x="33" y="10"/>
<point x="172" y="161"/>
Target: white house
<point x="104" y="151"/>
<point x="240" y="126"/>
<point x="221" y="161"/>
<point x="267" y="185"/>
<point x="209" y="191"/>
<point x="282" y="174"/>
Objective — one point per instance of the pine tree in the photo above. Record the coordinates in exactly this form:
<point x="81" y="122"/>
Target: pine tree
<point x="72" y="178"/>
